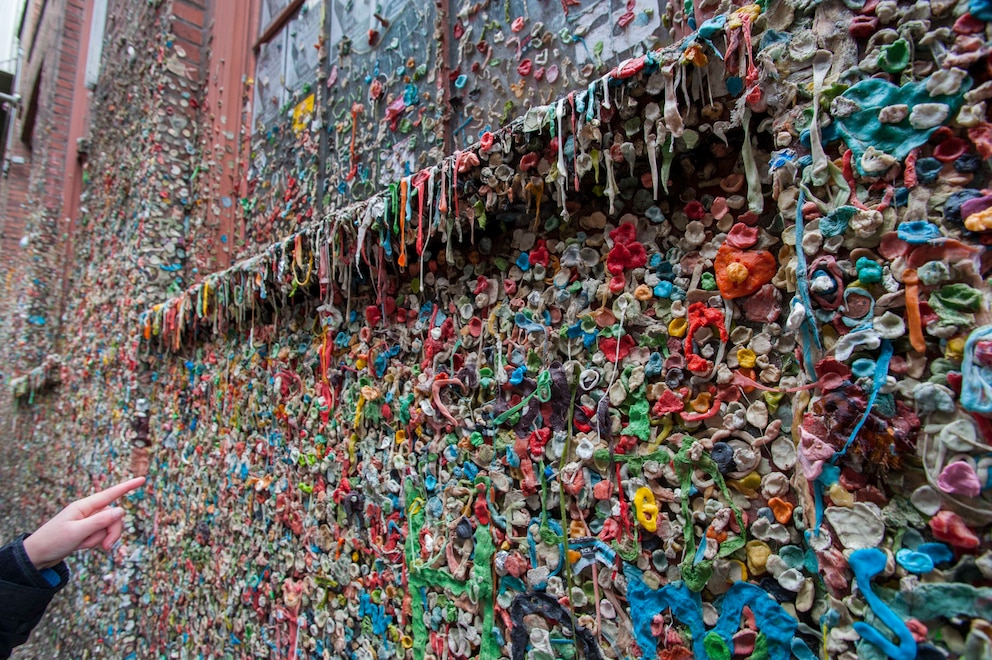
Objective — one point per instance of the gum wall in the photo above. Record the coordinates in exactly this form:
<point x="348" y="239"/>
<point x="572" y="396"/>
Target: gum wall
<point x="673" y="342"/>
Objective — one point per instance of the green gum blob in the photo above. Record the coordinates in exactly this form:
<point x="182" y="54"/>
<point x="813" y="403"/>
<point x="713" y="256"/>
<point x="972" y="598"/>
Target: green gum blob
<point x="534" y="362"/>
<point x="480" y="214"/>
<point x="772" y="399"/>
<point x="894" y="57"/>
<point x="829" y="93"/>
<point x="960" y="297"/>
<point x="640" y="424"/>
<point x="716" y="648"/>
<point x="939" y="369"/>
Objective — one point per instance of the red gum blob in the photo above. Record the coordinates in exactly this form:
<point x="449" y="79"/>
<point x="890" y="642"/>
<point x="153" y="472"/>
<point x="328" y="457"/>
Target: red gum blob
<point x="892" y="246"/>
<point x="528" y="161"/>
<point x="862" y="27"/>
<point x="486" y="141"/>
<point x="625" y="233"/>
<point x="539" y="255"/>
<point x="968" y="24"/>
<point x="950" y="150"/>
<point x="699" y="316"/>
<point x="629" y="68"/>
<point x="668" y="402"/>
<point x="950" y="528"/>
<point x="609" y="347"/>
<point x="748" y="218"/>
<point x="625" y="256"/>
<point x="695" y="210"/>
<point x="741" y="236"/>
<point x="981" y="137"/>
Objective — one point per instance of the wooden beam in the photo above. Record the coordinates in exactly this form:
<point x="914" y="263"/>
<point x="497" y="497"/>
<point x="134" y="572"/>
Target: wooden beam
<point x="278" y="23"/>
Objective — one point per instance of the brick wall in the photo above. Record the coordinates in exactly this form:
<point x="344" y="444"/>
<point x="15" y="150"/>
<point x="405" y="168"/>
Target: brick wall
<point x="157" y="153"/>
<point x="229" y="62"/>
<point x="172" y="91"/>
<point x="14" y="206"/>
<point x="32" y="198"/>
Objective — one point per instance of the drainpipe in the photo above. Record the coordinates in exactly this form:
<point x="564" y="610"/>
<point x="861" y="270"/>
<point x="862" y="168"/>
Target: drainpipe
<point x="13" y="102"/>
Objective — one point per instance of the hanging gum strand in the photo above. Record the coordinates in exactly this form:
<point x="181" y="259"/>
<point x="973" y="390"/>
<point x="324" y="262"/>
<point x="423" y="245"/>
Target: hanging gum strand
<point x="404" y="183"/>
<point x="561" y="180"/>
<point x="913" y="320"/>
<point x="755" y="199"/>
<point x="419" y="185"/>
<point x="651" y="146"/>
<point x="537" y="190"/>
<point x="575" y="141"/>
<point x="611" y="183"/>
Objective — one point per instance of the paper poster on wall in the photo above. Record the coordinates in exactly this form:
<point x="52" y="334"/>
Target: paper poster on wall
<point x="543" y="52"/>
<point x="302" y="114"/>
<point x="398" y="161"/>
<point x="355" y="19"/>
<point x="270" y="91"/>
<point x="270" y="11"/>
<point x="604" y="39"/>
<point x="383" y="70"/>
<point x="351" y="20"/>
<point x="302" y="40"/>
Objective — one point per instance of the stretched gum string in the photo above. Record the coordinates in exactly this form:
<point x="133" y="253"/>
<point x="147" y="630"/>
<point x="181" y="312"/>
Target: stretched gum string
<point x="912" y="282"/>
<point x="419" y="185"/>
<point x="403" y="193"/>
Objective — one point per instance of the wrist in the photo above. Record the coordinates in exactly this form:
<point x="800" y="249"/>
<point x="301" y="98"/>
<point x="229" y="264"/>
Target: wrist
<point x="35" y="555"/>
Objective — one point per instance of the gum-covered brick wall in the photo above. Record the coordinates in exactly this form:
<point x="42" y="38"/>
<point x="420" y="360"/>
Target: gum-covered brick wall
<point x="693" y="361"/>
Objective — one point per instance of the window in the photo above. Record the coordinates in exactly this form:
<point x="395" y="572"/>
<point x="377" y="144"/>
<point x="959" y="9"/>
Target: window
<point x="37" y="26"/>
<point x="6" y="111"/>
<point x="272" y="12"/>
<point x="96" y="43"/>
<point x="289" y="31"/>
<point x="31" y="114"/>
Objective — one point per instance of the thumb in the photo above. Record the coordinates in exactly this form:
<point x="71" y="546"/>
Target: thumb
<point x="99" y="521"/>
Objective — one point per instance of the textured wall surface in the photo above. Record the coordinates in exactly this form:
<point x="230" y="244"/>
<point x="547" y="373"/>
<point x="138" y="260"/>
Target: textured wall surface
<point x="689" y="360"/>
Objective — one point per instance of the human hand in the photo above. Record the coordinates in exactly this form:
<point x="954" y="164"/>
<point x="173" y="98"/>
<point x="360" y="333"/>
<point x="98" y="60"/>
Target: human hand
<point x="84" y="524"/>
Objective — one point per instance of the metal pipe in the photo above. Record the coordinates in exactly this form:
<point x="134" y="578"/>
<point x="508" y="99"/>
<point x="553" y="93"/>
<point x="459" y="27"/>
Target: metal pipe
<point x="13" y="102"/>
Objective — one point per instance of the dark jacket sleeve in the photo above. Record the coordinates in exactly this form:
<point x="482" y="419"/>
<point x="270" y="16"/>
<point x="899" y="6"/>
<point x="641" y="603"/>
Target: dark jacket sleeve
<point x="24" y="594"/>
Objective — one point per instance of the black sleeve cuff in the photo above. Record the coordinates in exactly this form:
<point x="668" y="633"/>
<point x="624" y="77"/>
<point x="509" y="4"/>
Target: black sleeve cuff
<point x="24" y="593"/>
<point x="16" y="568"/>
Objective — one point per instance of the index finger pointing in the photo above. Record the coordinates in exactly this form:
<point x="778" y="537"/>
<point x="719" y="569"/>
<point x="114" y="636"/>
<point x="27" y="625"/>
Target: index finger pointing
<point x="98" y="501"/>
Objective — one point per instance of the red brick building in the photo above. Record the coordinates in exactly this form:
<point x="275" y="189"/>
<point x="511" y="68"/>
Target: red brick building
<point x="42" y="191"/>
<point x="42" y="171"/>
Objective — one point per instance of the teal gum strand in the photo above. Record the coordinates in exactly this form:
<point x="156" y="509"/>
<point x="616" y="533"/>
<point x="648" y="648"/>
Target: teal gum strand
<point x="774" y="622"/>
<point x="866" y="564"/>
<point x="862" y="128"/>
